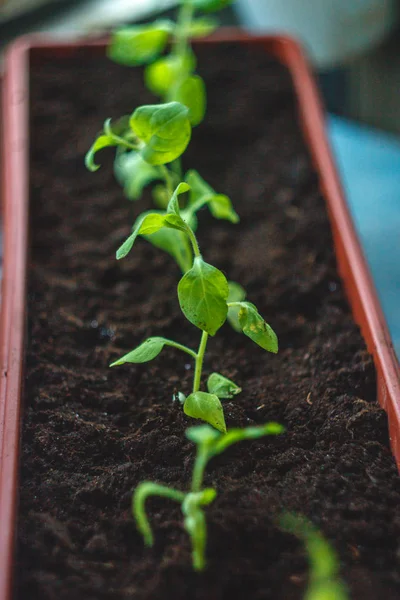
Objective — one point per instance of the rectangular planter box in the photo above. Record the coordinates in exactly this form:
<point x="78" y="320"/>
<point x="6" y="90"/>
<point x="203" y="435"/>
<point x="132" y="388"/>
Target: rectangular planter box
<point x="15" y="180"/>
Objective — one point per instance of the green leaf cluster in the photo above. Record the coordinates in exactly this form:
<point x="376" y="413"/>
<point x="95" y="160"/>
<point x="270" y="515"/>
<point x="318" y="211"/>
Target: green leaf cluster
<point x="148" y="147"/>
<point x="155" y="134"/>
<point x="203" y="294"/>
<point x="209" y="443"/>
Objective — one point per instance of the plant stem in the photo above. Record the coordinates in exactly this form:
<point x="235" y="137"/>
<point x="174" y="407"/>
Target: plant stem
<point x="168" y="180"/>
<point x="142" y="492"/>
<point x="176" y="166"/>
<point x="193" y="241"/>
<point x="192" y="353"/>
<point x="199" y="362"/>
<point x="182" y="30"/>
<point x="200" y="464"/>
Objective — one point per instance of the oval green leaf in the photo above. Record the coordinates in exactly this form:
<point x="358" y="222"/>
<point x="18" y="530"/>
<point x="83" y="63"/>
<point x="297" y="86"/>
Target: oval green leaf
<point x="247" y="433"/>
<point x="165" y="130"/>
<point x="222" y="386"/>
<point x="103" y="141"/>
<point x="254" y="326"/>
<point x="143" y="353"/>
<point x="202" y="435"/>
<point x="207" y="496"/>
<point x="149" y="350"/>
<point x="173" y="204"/>
<point x="192" y="93"/>
<point x="176" y="244"/>
<point x="236" y="294"/>
<point x="139" y="44"/>
<point x="133" y="173"/>
<point x="161" y="76"/>
<point x="145" y="225"/>
<point x="202" y="294"/>
<point x="202" y="193"/>
<point x="201" y="405"/>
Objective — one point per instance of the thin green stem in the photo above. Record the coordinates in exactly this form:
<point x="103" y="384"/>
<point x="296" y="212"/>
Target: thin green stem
<point x="125" y="143"/>
<point x="182" y="347"/>
<point x="200" y="464"/>
<point x="193" y="241"/>
<point x="183" y="27"/>
<point x="168" y="180"/>
<point x="142" y="492"/>
<point x="199" y="362"/>
<point x="121" y="141"/>
<point x="176" y="166"/>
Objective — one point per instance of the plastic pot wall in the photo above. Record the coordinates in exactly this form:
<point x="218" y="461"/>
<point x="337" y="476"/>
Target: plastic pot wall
<point x="15" y="180"/>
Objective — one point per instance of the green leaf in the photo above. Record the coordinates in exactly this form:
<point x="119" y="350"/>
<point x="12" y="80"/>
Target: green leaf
<point x="210" y="5"/>
<point x="221" y="208"/>
<point x="192" y="93"/>
<point x="254" y="326"/>
<point x="145" y="225"/>
<point x="201" y="193"/>
<point x="202" y="294"/>
<point x="236" y="294"/>
<point x="133" y="173"/>
<point x="201" y="405"/>
<point x="149" y="350"/>
<point x="103" y="141"/>
<point x="222" y="386"/>
<point x="139" y="44"/>
<point x="203" y="26"/>
<point x="165" y="130"/>
<point x="176" y="244"/>
<point x="143" y="353"/>
<point x="161" y="76"/>
<point x="119" y="134"/>
<point x="247" y="433"/>
<point x="173" y="204"/>
<point x="160" y="195"/>
<point x="202" y="434"/>
<point x="207" y="496"/>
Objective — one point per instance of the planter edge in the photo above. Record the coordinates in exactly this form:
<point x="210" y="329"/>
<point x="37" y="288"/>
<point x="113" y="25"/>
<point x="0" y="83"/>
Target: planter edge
<point x="351" y="262"/>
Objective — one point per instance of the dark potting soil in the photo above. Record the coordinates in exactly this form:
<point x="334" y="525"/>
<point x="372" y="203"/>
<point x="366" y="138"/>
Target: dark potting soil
<point x="91" y="433"/>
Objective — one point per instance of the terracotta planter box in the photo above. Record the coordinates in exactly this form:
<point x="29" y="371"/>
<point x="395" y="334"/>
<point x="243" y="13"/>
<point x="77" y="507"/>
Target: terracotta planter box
<point x="15" y="180"/>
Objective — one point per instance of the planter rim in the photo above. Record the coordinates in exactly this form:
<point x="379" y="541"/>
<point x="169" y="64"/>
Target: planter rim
<point x="352" y="265"/>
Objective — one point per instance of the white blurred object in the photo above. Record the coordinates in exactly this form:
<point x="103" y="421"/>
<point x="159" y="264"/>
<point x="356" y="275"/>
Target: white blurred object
<point x="333" y="31"/>
<point x="93" y="16"/>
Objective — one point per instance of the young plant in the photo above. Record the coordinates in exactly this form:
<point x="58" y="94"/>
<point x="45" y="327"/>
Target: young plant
<point x="203" y="294"/>
<point x="209" y="443"/>
<point x="172" y="77"/>
<point x="324" y="581"/>
<point x="148" y="144"/>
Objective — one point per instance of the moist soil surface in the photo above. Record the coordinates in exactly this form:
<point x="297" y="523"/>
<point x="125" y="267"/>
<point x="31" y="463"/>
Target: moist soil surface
<point x="91" y="434"/>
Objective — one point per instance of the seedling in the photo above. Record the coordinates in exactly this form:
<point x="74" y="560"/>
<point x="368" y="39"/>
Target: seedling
<point x="324" y="581"/>
<point x="172" y="77"/>
<point x="149" y="144"/>
<point x="209" y="443"/>
<point x="203" y="294"/>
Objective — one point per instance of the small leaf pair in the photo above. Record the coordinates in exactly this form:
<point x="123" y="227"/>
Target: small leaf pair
<point x="207" y="405"/>
<point x="138" y="45"/>
<point x="158" y="133"/>
<point x="209" y="443"/>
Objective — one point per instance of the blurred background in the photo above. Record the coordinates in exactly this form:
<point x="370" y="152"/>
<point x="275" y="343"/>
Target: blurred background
<point x="354" y="47"/>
